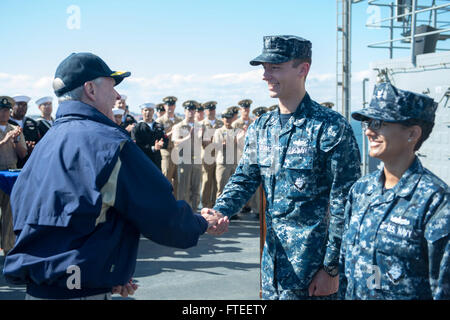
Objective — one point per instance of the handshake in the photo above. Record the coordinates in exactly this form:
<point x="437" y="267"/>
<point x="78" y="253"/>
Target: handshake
<point x="217" y="223"/>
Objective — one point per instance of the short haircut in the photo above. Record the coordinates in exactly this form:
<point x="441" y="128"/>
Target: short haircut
<point x="77" y="93"/>
<point x="297" y="62"/>
<point x="426" y="127"/>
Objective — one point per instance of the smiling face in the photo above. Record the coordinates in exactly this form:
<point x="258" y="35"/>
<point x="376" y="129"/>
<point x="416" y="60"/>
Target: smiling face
<point x="390" y="142"/>
<point x="284" y="79"/>
<point x="102" y="95"/>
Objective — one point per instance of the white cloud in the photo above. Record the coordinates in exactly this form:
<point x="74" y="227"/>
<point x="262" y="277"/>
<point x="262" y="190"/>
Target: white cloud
<point x="225" y="88"/>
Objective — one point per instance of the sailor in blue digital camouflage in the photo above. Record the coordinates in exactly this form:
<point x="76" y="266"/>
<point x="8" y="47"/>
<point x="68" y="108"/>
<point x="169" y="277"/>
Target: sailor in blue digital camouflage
<point x="396" y="241"/>
<point x="307" y="158"/>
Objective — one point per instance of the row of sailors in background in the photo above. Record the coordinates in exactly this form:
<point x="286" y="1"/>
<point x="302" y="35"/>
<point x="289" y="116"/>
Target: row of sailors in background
<point x="168" y="140"/>
<point x="33" y="129"/>
<point x="193" y="180"/>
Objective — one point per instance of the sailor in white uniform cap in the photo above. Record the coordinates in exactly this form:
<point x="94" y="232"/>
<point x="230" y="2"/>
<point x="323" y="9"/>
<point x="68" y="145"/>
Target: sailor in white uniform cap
<point x="118" y="114"/>
<point x="45" y="121"/>
<point x="29" y="126"/>
<point x="128" y="121"/>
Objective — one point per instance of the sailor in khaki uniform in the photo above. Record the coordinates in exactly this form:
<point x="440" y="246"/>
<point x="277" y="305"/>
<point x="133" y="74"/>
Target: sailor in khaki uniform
<point x="168" y="120"/>
<point x="242" y="123"/>
<point x="258" y="112"/>
<point x="328" y="104"/>
<point x="225" y="140"/>
<point x="160" y="110"/>
<point x="187" y="138"/>
<point x="234" y="111"/>
<point x="272" y="108"/>
<point x="29" y="125"/>
<point x="209" y="182"/>
<point x="200" y="113"/>
<point x="12" y="148"/>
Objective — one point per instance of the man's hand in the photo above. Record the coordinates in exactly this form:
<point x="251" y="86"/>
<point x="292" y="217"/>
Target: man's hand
<point x="159" y="144"/>
<point x="125" y="290"/>
<point x="217" y="223"/>
<point x="11" y="135"/>
<point x="323" y="284"/>
<point x="30" y="145"/>
<point x="130" y="127"/>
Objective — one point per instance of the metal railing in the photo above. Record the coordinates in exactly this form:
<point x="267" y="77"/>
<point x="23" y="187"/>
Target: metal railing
<point x="410" y="20"/>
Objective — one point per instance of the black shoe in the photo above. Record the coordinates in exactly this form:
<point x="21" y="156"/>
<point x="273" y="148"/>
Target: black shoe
<point x="235" y="217"/>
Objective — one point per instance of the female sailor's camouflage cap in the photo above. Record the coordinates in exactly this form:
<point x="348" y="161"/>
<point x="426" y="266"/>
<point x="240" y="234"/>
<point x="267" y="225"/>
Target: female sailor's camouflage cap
<point x="279" y="49"/>
<point x="395" y="105"/>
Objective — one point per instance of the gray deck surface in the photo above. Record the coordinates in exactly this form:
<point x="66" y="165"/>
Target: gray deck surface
<point x="225" y="267"/>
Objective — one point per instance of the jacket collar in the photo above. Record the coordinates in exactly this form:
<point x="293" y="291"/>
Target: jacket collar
<point x="81" y="109"/>
<point x="299" y="116"/>
<point x="406" y="184"/>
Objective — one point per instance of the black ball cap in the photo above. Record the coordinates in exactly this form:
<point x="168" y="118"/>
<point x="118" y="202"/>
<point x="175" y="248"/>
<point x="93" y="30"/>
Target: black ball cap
<point x="80" y="67"/>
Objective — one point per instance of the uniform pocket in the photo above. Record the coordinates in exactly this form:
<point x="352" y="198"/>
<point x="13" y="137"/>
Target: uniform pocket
<point x="300" y="175"/>
<point x="396" y="257"/>
<point x="404" y="247"/>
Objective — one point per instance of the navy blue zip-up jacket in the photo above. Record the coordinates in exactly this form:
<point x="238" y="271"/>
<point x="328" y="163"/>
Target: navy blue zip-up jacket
<point x="83" y="199"/>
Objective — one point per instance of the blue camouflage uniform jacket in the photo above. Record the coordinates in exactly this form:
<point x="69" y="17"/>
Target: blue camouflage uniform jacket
<point x="396" y="242"/>
<point x="306" y="169"/>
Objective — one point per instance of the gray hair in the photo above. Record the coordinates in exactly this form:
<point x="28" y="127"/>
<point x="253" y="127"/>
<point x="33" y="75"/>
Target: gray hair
<point x="77" y="93"/>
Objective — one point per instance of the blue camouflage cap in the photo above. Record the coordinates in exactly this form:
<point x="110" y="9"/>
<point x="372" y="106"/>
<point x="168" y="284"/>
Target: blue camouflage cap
<point x="395" y="105"/>
<point x="279" y="49"/>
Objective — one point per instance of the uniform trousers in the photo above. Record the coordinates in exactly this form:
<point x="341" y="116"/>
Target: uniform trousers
<point x="169" y="170"/>
<point x="223" y="174"/>
<point x="209" y="187"/>
<point x="7" y="233"/>
<point x="189" y="180"/>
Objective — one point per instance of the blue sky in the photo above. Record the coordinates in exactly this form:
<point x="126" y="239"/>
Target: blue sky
<point x="191" y="49"/>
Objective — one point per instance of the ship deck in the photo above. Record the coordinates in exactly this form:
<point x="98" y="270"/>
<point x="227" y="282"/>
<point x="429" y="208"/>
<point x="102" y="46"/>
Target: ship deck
<point x="225" y="267"/>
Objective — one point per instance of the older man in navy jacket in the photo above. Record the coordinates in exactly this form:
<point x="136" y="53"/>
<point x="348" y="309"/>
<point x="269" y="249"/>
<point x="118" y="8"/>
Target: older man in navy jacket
<point x="87" y="193"/>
